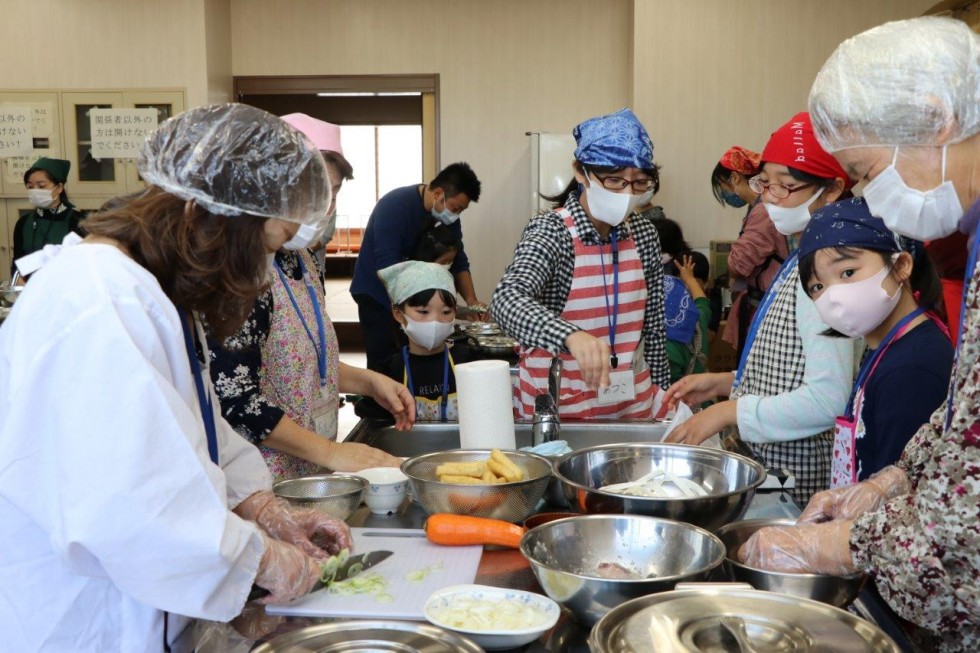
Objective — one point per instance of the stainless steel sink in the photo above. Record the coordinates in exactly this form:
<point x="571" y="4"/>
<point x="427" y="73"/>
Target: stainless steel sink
<point x="429" y="437"/>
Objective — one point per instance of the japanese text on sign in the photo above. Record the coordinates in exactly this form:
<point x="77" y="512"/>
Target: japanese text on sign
<point x="15" y="131"/>
<point x="118" y="133"/>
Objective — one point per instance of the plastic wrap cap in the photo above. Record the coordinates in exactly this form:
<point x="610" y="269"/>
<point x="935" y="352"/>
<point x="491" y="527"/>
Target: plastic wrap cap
<point x="234" y="159"/>
<point x="909" y="82"/>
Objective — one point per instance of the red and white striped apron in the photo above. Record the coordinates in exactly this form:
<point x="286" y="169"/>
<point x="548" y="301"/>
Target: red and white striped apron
<point x="586" y="307"/>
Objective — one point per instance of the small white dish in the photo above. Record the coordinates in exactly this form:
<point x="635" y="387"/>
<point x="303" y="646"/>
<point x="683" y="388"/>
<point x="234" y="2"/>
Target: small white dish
<point x="386" y="489"/>
<point x="493" y="640"/>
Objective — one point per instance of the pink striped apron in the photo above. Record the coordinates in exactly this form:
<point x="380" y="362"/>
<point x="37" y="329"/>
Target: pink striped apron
<point x="586" y="307"/>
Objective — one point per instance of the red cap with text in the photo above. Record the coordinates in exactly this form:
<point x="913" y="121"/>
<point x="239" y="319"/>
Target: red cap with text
<point x="794" y="145"/>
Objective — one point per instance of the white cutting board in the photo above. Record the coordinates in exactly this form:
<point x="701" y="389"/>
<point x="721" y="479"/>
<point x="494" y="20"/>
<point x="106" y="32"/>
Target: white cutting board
<point x="410" y="552"/>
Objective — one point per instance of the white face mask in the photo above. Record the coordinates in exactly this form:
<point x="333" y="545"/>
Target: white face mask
<point x="910" y="212"/>
<point x="793" y="219"/>
<point x="445" y="216"/>
<point x="270" y="269"/>
<point x="665" y="259"/>
<point x="427" y="334"/>
<point x="645" y="198"/>
<point x="856" y="309"/>
<point x="610" y="207"/>
<point x="306" y="235"/>
<point x="446" y="266"/>
<point x="40" y="197"/>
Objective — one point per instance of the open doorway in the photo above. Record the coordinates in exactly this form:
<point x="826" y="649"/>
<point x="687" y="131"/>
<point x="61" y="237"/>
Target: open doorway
<point x="389" y="132"/>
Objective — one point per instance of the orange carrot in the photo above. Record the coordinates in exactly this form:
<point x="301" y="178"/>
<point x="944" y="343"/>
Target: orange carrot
<point x="460" y="530"/>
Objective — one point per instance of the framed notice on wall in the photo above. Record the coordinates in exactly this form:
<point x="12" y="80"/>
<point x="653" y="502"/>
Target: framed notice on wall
<point x="119" y="133"/>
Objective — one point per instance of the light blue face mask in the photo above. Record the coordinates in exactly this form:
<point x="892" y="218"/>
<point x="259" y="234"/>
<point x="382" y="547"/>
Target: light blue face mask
<point x="732" y="199"/>
<point x="445" y="216"/>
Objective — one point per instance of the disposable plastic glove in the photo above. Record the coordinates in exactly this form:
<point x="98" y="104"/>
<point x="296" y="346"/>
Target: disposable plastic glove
<point x="317" y="534"/>
<point x="806" y="548"/>
<point x="854" y="500"/>
<point x="285" y="571"/>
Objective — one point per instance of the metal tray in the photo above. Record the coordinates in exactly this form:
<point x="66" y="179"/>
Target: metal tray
<point x="374" y="636"/>
<point x="721" y="620"/>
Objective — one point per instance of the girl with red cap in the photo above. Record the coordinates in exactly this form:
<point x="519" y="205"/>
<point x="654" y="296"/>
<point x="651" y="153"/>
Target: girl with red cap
<point x="791" y="381"/>
<point x="759" y="249"/>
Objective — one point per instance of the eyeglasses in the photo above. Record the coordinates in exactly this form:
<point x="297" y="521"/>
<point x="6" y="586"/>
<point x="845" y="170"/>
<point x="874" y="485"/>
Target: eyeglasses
<point x="618" y="183"/>
<point x="779" y="191"/>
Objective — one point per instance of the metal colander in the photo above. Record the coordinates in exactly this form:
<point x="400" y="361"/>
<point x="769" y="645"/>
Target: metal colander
<point x="511" y="502"/>
<point x="338" y="496"/>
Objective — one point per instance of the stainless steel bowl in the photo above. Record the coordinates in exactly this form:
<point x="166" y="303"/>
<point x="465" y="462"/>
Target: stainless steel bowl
<point x="497" y="345"/>
<point x="9" y="294"/>
<point x="511" y="502"/>
<point x="374" y="636"/>
<point x="338" y="496"/>
<point x="591" y="564"/>
<point x="729" y="479"/>
<point x="483" y="329"/>
<point x="833" y="590"/>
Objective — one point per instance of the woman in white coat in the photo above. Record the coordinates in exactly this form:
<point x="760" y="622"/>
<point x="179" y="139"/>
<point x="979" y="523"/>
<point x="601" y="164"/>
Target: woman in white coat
<point x="128" y="504"/>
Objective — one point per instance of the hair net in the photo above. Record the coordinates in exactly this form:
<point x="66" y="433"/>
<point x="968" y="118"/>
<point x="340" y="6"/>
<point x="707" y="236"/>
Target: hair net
<point x="909" y="82"/>
<point x="234" y="159"/>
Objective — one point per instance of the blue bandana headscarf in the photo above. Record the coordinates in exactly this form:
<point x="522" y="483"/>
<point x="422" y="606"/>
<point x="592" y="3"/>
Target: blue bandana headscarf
<point x="680" y="312"/>
<point x="850" y="224"/>
<point x="616" y="140"/>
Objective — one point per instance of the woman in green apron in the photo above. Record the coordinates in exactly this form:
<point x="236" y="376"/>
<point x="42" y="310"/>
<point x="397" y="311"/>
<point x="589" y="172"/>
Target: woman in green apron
<point x="53" y="216"/>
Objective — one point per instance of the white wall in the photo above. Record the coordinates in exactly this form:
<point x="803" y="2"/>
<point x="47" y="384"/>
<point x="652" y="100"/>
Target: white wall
<point x="709" y="74"/>
<point x="102" y="44"/>
<point x="506" y="67"/>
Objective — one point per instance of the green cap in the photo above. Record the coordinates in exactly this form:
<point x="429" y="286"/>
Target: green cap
<point x="57" y="168"/>
<point x="402" y="280"/>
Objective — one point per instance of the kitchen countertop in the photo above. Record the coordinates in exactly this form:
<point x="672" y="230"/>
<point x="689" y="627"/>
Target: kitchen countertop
<point x="498" y="567"/>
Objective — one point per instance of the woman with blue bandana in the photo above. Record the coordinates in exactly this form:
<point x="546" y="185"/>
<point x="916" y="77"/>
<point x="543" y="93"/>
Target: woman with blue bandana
<point x="865" y="284"/>
<point x="586" y="282"/>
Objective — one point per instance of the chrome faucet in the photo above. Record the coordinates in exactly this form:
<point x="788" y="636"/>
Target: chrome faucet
<point x="545" y="425"/>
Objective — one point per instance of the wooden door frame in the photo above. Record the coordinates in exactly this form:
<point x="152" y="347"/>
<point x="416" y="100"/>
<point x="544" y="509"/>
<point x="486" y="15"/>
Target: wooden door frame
<point x="426" y="84"/>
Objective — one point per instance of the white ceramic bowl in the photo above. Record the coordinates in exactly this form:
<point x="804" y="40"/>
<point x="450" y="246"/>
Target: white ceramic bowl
<point x="493" y="640"/>
<point x="386" y="489"/>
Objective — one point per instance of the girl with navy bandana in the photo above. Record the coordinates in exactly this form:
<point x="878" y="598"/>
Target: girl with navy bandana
<point x="865" y="282"/>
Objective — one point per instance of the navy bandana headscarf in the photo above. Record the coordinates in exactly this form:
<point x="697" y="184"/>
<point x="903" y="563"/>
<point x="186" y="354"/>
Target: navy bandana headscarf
<point x="616" y="140"/>
<point x="850" y="224"/>
<point x="680" y="312"/>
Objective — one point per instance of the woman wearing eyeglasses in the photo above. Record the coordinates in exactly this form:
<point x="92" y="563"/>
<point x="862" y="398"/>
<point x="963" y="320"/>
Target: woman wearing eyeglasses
<point x="791" y="381"/>
<point x="586" y="282"/>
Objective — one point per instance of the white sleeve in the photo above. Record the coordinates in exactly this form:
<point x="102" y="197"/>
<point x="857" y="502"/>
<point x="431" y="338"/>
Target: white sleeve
<point x="115" y="467"/>
<point x="812" y="407"/>
<point x="245" y="469"/>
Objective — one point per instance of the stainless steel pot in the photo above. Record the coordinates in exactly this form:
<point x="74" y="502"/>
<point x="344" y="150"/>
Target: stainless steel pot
<point x="717" y="619"/>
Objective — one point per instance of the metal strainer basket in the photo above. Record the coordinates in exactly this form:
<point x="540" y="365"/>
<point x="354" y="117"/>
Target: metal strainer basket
<point x="337" y="496"/>
<point x="511" y="502"/>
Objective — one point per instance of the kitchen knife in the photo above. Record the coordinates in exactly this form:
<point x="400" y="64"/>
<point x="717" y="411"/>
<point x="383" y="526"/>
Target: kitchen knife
<point x="365" y="560"/>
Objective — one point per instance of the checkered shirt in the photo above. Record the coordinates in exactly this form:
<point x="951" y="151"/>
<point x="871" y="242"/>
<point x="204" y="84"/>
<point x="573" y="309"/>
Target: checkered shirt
<point x="775" y="365"/>
<point x="530" y="297"/>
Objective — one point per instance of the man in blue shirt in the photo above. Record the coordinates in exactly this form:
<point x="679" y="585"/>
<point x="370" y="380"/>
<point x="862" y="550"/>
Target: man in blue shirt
<point x="392" y="235"/>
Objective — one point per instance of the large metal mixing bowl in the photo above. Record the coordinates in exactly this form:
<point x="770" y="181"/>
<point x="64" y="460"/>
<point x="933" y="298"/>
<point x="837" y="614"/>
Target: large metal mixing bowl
<point x="511" y="502"/>
<point x="729" y="479"/>
<point x="591" y="564"/>
<point x="836" y="591"/>
<point x="338" y="496"/>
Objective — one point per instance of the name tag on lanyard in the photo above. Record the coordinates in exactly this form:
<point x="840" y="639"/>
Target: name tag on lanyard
<point x="621" y="388"/>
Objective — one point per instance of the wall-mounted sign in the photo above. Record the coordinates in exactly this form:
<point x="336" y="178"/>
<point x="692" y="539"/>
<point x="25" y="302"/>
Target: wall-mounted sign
<point x="15" y="131"/>
<point x="118" y="133"/>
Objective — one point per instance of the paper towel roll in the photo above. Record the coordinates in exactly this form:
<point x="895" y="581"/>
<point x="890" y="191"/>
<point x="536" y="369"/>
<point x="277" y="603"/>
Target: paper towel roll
<point x="486" y="409"/>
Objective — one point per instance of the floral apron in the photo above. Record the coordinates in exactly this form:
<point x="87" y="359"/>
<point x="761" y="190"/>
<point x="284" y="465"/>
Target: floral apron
<point x="290" y="375"/>
<point x="590" y="307"/>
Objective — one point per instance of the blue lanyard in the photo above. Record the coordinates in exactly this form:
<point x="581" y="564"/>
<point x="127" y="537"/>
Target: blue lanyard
<point x="971" y="265"/>
<point x="203" y="397"/>
<point x="869" y="362"/>
<point x="445" y="380"/>
<point x="613" y="318"/>
<point x="760" y="313"/>
<point x="321" y="347"/>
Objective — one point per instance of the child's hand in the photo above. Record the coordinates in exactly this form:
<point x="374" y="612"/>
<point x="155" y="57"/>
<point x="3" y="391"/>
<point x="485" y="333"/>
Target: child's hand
<point x="685" y="270"/>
